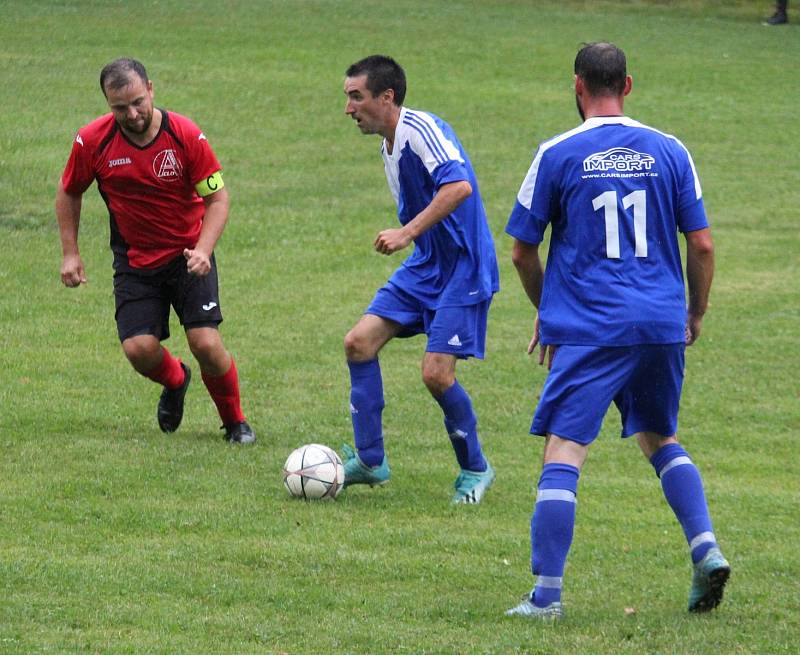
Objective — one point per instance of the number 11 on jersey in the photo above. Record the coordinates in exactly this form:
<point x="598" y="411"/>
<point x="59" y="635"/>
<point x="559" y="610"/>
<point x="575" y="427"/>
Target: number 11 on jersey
<point x="636" y="199"/>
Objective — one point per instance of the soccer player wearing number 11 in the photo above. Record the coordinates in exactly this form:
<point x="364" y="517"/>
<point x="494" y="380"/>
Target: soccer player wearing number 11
<point x="612" y="318"/>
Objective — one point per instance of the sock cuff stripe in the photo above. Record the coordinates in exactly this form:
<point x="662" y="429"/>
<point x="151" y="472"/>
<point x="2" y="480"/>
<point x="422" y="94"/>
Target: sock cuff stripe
<point x="702" y="538"/>
<point x="549" y="582"/>
<point x="678" y="461"/>
<point x="556" y="494"/>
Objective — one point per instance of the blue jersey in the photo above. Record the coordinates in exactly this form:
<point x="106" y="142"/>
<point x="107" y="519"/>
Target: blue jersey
<point x="615" y="193"/>
<point x="453" y="262"/>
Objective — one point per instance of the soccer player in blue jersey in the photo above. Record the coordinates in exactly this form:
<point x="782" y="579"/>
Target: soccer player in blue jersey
<point x="443" y="289"/>
<point x="612" y="318"/>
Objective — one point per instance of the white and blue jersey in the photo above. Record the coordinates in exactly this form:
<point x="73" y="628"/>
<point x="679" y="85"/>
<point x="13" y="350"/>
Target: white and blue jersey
<point x="615" y="193"/>
<point x="453" y="262"/>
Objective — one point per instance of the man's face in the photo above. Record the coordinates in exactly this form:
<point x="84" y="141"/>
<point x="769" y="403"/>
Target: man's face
<point x="371" y="113"/>
<point x="132" y="105"/>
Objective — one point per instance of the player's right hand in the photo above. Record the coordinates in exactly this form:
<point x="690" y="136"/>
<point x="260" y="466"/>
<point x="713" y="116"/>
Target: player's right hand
<point x="73" y="273"/>
<point x="534" y="338"/>
<point x="391" y="240"/>
<point x="544" y="350"/>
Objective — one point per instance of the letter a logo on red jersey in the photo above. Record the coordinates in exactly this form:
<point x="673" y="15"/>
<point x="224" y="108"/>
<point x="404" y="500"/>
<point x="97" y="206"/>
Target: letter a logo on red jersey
<point x="166" y="165"/>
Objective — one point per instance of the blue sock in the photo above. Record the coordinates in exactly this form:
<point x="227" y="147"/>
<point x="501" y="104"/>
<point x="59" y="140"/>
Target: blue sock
<point x="462" y="427"/>
<point x="683" y="489"/>
<point x="552" y="524"/>
<point x="366" y="408"/>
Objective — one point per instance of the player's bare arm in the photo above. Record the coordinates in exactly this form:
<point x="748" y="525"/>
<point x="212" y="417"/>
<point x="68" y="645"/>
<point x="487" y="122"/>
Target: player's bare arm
<point x="446" y="201"/>
<point x="68" y="214"/>
<point x="198" y="259"/>
<point x="699" y="273"/>
<point x="531" y="273"/>
<point x="525" y="257"/>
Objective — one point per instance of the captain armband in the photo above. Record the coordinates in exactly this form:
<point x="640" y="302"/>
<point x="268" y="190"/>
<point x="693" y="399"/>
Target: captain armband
<point x="209" y="185"/>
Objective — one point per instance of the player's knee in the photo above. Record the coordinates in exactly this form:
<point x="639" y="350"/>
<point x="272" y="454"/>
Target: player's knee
<point x="351" y="345"/>
<point x="437" y="379"/>
<point x="207" y="348"/>
<point x="651" y="442"/>
<point x="143" y="352"/>
<point x="357" y="348"/>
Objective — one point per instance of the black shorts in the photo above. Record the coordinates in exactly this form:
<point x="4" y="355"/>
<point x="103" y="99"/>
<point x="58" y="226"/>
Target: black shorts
<point x="143" y="300"/>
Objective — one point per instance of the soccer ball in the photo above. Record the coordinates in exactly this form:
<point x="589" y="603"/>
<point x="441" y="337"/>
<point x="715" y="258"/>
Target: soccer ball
<point x="313" y="471"/>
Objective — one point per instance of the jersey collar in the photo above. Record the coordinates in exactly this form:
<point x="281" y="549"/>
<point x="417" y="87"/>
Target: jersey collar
<point x="596" y="121"/>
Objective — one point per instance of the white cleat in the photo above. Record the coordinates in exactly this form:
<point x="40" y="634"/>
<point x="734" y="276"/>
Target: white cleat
<point x="528" y="610"/>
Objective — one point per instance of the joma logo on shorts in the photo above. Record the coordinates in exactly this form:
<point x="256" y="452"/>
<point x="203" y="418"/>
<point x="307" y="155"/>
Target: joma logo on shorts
<point x="618" y="159"/>
<point x="119" y="162"/>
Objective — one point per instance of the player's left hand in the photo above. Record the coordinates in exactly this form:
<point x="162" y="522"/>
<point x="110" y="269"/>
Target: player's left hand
<point x="389" y="241"/>
<point x="693" y="325"/>
<point x="197" y="262"/>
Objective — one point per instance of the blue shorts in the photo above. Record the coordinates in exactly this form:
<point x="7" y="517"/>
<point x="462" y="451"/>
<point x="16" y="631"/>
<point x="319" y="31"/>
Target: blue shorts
<point x="459" y="331"/>
<point x="643" y="381"/>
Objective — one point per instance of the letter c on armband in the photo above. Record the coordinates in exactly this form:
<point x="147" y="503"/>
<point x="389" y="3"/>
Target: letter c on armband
<point x="209" y="185"/>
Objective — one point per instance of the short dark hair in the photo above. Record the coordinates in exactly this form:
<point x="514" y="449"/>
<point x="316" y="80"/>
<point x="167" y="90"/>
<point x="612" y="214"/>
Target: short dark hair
<point x="602" y="67"/>
<point x="382" y="73"/>
<point x="117" y="74"/>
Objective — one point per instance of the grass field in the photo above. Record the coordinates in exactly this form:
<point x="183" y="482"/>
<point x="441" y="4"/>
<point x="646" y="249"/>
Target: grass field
<point x="115" y="538"/>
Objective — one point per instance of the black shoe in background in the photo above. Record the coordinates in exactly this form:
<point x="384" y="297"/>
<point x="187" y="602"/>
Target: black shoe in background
<point x="240" y="433"/>
<point x="778" y="18"/>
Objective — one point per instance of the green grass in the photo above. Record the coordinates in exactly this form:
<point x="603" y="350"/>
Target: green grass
<point x="117" y="539"/>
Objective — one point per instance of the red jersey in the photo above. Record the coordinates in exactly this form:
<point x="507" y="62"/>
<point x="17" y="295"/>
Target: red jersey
<point x="154" y="209"/>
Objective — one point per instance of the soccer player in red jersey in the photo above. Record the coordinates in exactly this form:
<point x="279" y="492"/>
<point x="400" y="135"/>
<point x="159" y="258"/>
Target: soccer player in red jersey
<point x="168" y="207"/>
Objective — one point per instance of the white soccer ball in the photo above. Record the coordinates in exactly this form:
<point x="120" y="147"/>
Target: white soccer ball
<point x="313" y="471"/>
